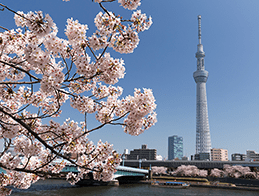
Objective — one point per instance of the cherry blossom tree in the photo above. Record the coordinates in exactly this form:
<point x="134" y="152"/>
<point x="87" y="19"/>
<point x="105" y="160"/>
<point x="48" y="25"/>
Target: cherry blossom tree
<point x="186" y="170"/>
<point x="190" y="171"/>
<point x="159" y="170"/>
<point x="233" y="171"/>
<point x="238" y="171"/>
<point x="217" y="173"/>
<point x="203" y="173"/>
<point x="40" y="72"/>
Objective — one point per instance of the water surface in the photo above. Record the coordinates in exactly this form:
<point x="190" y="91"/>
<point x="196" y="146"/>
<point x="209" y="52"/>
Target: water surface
<point x="62" y="188"/>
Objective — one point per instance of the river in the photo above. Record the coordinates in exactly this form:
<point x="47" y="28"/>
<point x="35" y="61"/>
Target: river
<point x="61" y="188"/>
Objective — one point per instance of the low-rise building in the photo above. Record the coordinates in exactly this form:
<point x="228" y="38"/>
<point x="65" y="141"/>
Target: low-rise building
<point x="218" y="154"/>
<point x="185" y="158"/>
<point x="238" y="157"/>
<point x="251" y="155"/>
<point x="143" y="153"/>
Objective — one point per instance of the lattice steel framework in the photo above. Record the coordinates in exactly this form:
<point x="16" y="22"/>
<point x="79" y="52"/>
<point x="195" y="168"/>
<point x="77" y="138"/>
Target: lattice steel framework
<point x="203" y="141"/>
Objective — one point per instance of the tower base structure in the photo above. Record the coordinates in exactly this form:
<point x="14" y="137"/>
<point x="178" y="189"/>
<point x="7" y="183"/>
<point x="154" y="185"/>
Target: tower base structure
<point x="202" y="156"/>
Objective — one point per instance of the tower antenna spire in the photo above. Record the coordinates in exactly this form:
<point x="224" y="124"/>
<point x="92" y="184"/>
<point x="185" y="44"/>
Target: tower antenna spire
<point x="199" y="27"/>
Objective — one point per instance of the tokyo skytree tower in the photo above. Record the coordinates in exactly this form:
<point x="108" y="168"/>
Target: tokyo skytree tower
<point x="203" y="142"/>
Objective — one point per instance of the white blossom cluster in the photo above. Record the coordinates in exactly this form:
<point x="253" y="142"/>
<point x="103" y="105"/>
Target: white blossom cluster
<point x="127" y="4"/>
<point x="140" y="22"/>
<point x="130" y="4"/>
<point x="106" y="23"/>
<point x="40" y="72"/>
<point x="56" y="46"/>
<point x="75" y="31"/>
<point x="141" y="105"/>
<point x="111" y="69"/>
<point x="125" y="42"/>
<point x="36" y="22"/>
<point x="76" y="34"/>
<point x="124" y="39"/>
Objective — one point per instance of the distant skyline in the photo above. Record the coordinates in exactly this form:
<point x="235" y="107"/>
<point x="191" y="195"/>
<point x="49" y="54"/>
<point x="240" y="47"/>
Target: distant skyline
<point x="165" y="61"/>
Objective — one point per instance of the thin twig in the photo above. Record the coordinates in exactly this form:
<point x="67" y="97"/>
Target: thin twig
<point x="14" y="66"/>
<point x="4" y="28"/>
<point x="14" y="11"/>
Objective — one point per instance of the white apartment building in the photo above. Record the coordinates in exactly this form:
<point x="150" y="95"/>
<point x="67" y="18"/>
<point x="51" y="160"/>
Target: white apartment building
<point x="218" y="154"/>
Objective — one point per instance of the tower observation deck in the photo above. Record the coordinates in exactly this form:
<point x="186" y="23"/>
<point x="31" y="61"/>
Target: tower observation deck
<point x="203" y="141"/>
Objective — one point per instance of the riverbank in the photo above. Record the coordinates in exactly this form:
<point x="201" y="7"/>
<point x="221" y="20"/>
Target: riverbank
<point x="204" y="183"/>
<point x="245" y="188"/>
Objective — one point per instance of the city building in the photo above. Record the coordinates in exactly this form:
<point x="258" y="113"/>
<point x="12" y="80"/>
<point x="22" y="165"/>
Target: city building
<point x="201" y="156"/>
<point x="238" y="157"/>
<point x="175" y="147"/>
<point x="218" y="154"/>
<point x="185" y="158"/>
<point x="203" y="141"/>
<point x="251" y="155"/>
<point x="143" y="153"/>
<point x="125" y="154"/>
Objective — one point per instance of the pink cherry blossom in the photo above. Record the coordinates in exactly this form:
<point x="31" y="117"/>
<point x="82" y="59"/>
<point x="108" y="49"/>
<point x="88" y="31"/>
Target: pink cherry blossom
<point x="140" y="22"/>
<point x="42" y="73"/>
<point x="130" y="4"/>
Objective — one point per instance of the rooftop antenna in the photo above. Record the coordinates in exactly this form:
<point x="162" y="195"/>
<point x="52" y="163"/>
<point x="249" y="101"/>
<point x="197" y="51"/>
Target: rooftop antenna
<point x="199" y="33"/>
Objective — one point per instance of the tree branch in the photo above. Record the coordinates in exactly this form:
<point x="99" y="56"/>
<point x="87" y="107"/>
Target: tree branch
<point x="11" y="65"/>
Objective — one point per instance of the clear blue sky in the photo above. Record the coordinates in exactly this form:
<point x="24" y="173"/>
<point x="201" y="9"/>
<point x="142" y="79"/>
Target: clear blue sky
<point x="165" y="61"/>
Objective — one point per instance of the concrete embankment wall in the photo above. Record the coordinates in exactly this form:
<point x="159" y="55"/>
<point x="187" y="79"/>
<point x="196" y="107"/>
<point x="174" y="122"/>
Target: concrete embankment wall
<point x="237" y="181"/>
